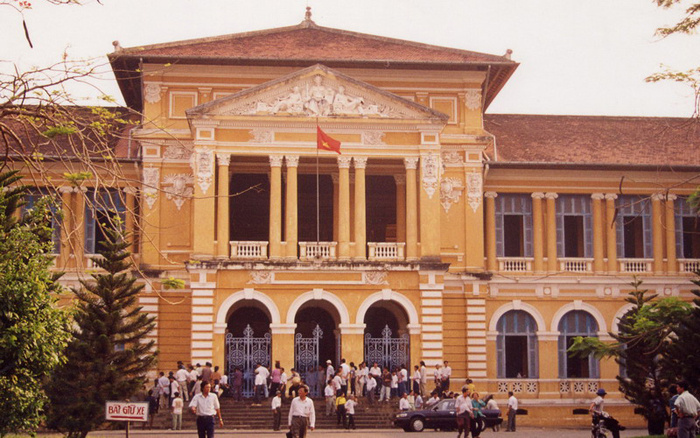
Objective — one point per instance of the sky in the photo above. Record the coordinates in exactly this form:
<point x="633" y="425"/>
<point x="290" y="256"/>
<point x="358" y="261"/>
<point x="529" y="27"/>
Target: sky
<point x="576" y="57"/>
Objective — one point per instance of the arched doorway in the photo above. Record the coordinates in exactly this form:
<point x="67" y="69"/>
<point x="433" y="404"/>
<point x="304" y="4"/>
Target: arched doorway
<point x="516" y="346"/>
<point x="386" y="340"/>
<point x="317" y="339"/>
<point x="248" y="341"/>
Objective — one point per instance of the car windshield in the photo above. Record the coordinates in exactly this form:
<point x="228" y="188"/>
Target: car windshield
<point x="445" y="405"/>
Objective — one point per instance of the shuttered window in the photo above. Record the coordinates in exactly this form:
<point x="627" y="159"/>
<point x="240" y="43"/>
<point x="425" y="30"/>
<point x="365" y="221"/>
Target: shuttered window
<point x="577" y="323"/>
<point x="513" y="225"/>
<point x="516" y="346"/>
<point x="687" y="230"/>
<point x="102" y="208"/>
<point x="634" y="227"/>
<point x="574" y="226"/>
<point x="33" y="196"/>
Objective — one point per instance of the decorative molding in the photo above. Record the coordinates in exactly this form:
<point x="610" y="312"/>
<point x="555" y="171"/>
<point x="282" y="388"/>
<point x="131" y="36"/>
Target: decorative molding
<point x="372" y="138"/>
<point x="177" y="151"/>
<point x="360" y="162"/>
<point x="473" y="99"/>
<point x="374" y="277"/>
<point x="452" y="158"/>
<point x="400" y="180"/>
<point x="671" y="197"/>
<point x="204" y="164"/>
<point x="223" y="159"/>
<point x="344" y="162"/>
<point x="151" y="179"/>
<point x="431" y="173"/>
<point x="450" y="191"/>
<point x="179" y="188"/>
<point x="551" y="195"/>
<point x="610" y="196"/>
<point x="276" y="160"/>
<point x="537" y="195"/>
<point x="261" y="136"/>
<point x="493" y="195"/>
<point x="658" y="196"/>
<point x="261" y="277"/>
<point x="598" y="196"/>
<point x="411" y="162"/>
<point x="291" y="160"/>
<point x="475" y="186"/>
<point x="152" y="93"/>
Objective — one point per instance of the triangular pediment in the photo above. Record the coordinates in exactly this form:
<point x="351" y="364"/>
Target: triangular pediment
<point x="318" y="91"/>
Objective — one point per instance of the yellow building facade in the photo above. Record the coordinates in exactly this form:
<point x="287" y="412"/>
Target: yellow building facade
<point x="437" y="234"/>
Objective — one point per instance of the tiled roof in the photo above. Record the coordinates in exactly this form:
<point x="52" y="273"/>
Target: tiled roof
<point x="594" y="140"/>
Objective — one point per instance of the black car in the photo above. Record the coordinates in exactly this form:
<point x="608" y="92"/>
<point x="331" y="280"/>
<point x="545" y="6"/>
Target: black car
<point x="442" y="415"/>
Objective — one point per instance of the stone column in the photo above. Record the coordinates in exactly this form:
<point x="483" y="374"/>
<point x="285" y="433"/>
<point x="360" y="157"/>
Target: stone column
<point x="657" y="232"/>
<point x="336" y="202"/>
<point x="611" y="231"/>
<point x="551" y="232"/>
<point x="130" y="219"/>
<point x="352" y="340"/>
<point x="204" y="204"/>
<point x="275" y="206"/>
<point x="67" y="226"/>
<point x="411" y="164"/>
<point x="222" y="207"/>
<point x="429" y="211"/>
<point x="671" y="260"/>
<point x="598" y="229"/>
<point x="344" y="208"/>
<point x="79" y="224"/>
<point x="538" y="231"/>
<point x="491" y="258"/>
<point x="360" y="209"/>
<point x="291" y="212"/>
<point x="283" y="344"/>
<point x="400" y="207"/>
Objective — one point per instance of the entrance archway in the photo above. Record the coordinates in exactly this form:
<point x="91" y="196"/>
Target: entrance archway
<point x="386" y="340"/>
<point x="317" y="339"/>
<point x="248" y="341"/>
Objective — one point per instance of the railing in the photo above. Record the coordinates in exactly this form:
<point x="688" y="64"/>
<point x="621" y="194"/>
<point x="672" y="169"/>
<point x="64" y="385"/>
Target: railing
<point x="386" y="250"/>
<point x="578" y="386"/>
<point x="576" y="265"/>
<point x="90" y="260"/>
<point x="522" y="385"/>
<point x="248" y="250"/>
<point x="515" y="264"/>
<point x="689" y="265"/>
<point x="317" y="250"/>
<point x="636" y="266"/>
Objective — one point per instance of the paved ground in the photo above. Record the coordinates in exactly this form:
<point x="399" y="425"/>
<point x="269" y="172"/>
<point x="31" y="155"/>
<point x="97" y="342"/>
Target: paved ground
<point x="525" y="432"/>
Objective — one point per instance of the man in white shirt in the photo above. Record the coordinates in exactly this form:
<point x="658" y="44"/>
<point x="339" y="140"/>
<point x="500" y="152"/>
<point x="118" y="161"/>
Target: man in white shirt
<point x="403" y="380"/>
<point x="261" y="374"/>
<point x="205" y="406"/>
<point x="329" y="396"/>
<point x="463" y="405"/>
<point x="337" y="383"/>
<point x="437" y="375"/>
<point x="276" y="407"/>
<point x="512" y="410"/>
<point x="423" y="379"/>
<point x="164" y="386"/>
<point x="370" y="387"/>
<point x="181" y="376"/>
<point x="419" y="402"/>
<point x="446" y="374"/>
<point x="344" y="373"/>
<point x="330" y="371"/>
<point x="687" y="408"/>
<point x="350" y="411"/>
<point x="301" y="414"/>
<point x="404" y="405"/>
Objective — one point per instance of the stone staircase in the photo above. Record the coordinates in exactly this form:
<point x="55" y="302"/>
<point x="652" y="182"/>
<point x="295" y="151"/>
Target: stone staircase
<point x="243" y="415"/>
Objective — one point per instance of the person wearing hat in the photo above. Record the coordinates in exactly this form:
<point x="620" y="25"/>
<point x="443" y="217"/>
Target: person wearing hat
<point x="330" y="371"/>
<point x="597" y="411"/>
<point x="598" y="403"/>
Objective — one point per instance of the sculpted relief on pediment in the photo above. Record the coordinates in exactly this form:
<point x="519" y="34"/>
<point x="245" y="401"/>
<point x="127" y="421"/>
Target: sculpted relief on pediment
<point x="319" y="96"/>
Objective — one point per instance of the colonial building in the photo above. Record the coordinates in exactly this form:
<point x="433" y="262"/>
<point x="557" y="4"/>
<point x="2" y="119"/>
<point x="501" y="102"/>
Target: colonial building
<point x="439" y="233"/>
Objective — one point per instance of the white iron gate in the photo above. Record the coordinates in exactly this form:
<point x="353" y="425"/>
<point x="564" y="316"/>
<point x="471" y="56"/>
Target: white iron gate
<point x="388" y="351"/>
<point x="244" y="352"/>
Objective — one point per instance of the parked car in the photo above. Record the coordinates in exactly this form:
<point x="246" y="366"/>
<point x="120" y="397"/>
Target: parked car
<point x="442" y="415"/>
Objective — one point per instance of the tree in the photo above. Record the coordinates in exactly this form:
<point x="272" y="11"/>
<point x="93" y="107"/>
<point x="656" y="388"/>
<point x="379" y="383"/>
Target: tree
<point x="107" y="358"/>
<point x="32" y="327"/>
<point x="645" y="336"/>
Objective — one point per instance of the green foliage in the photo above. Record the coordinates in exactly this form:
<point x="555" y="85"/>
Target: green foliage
<point x="107" y="358"/>
<point x="173" y="283"/>
<point x="60" y="130"/>
<point x="75" y="178"/>
<point x="32" y="327"/>
<point x="646" y="334"/>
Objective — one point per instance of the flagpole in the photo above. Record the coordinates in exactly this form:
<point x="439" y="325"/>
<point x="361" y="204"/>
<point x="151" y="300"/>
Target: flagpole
<point x="318" y="208"/>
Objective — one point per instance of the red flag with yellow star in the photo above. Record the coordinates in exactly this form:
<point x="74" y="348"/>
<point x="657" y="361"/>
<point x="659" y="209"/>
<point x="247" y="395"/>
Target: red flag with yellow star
<point x="326" y="142"/>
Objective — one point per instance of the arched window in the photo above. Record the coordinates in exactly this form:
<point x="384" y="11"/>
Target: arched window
<point x="516" y="346"/>
<point x="577" y="323"/>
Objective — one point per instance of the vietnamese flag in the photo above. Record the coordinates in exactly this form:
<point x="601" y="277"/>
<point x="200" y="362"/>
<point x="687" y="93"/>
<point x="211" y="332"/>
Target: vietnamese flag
<point x="326" y="142"/>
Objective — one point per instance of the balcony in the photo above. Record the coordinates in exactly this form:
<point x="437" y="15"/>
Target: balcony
<point x="689" y="265"/>
<point x="579" y="265"/>
<point x="515" y="264"/>
<point x="386" y="251"/>
<point x="636" y="266"/>
<point x="309" y="251"/>
<point x="248" y="250"/>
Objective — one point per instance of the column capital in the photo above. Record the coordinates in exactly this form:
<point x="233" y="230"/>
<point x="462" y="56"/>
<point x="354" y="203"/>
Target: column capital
<point x="551" y="195"/>
<point x="598" y="196"/>
<point x="400" y="180"/>
<point x="658" y="196"/>
<point x="62" y="189"/>
<point x="130" y="190"/>
<point x="610" y="196"/>
<point x="276" y="160"/>
<point x="344" y="162"/>
<point x="360" y="162"/>
<point x="291" y="160"/>
<point x="411" y="162"/>
<point x="537" y="195"/>
<point x="671" y="197"/>
<point x="223" y="159"/>
<point x="490" y="195"/>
